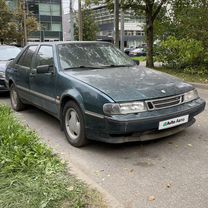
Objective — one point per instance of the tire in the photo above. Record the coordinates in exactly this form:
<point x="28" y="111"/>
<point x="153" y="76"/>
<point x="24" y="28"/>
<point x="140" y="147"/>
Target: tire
<point x="16" y="103"/>
<point x="73" y="124"/>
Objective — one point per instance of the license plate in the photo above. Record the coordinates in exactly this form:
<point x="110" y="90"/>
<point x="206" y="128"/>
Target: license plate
<point x="173" y="122"/>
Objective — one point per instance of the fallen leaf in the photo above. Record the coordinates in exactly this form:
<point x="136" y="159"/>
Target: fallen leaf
<point x="151" y="198"/>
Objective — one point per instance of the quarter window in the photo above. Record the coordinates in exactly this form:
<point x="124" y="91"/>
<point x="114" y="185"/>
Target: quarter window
<point x="45" y="56"/>
<point x="26" y="58"/>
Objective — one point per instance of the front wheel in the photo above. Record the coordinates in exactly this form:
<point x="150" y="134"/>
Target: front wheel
<point x="16" y="103"/>
<point x="74" y="127"/>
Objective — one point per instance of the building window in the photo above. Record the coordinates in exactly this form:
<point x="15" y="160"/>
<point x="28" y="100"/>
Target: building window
<point x="33" y="7"/>
<point x="138" y="33"/>
<point x="56" y="27"/>
<point x="55" y="10"/>
<point x="46" y="26"/>
<point x="44" y="9"/>
<point x="49" y="9"/>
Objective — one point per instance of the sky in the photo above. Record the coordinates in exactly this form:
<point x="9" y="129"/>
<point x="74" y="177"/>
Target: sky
<point x="66" y="5"/>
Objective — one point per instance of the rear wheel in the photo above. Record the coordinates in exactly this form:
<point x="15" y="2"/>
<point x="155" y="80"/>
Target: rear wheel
<point x="16" y="103"/>
<point x="74" y="127"/>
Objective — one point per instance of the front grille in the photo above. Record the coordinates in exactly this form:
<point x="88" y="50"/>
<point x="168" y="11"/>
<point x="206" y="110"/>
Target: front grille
<point x="164" y="102"/>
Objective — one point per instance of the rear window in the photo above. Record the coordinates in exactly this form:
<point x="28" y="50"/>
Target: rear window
<point x="26" y="57"/>
<point x="8" y="53"/>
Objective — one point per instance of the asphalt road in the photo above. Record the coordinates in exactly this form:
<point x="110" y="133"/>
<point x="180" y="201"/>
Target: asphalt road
<point x="167" y="173"/>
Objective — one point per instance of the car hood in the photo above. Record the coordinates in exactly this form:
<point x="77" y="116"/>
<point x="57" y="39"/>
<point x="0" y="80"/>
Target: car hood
<point x="3" y="65"/>
<point x="131" y="83"/>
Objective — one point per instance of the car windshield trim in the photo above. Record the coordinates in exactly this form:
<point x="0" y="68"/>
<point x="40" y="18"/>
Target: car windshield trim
<point x="84" y="67"/>
<point x="99" y="67"/>
<point x="119" y="65"/>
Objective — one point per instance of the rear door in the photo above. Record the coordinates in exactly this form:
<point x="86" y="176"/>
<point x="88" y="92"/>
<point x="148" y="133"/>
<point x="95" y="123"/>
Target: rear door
<point x="43" y="85"/>
<point x="21" y="71"/>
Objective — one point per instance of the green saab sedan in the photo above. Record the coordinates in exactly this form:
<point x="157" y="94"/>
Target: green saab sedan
<point x="98" y="93"/>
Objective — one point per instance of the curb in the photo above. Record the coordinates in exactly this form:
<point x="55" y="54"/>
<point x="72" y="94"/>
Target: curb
<point x="111" y="202"/>
<point x="199" y="85"/>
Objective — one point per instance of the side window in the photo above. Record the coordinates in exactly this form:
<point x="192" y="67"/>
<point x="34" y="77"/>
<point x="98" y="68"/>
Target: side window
<point x="45" y="56"/>
<point x="26" y="58"/>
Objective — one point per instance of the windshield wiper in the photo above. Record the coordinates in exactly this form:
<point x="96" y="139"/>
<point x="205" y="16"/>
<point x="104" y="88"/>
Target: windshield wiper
<point x="119" y="65"/>
<point x="84" y="67"/>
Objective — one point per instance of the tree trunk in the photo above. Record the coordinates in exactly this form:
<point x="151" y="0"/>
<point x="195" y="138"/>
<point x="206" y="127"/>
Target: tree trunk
<point x="116" y="23"/>
<point x="149" y="40"/>
<point x="80" y="21"/>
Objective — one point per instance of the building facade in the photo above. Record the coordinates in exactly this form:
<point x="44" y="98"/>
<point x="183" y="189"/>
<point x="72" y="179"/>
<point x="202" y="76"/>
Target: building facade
<point x="134" y="34"/>
<point x="49" y="16"/>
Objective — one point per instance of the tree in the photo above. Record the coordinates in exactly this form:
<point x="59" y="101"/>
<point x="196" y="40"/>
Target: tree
<point x="12" y="23"/>
<point x="90" y="28"/>
<point x="151" y="10"/>
<point x="31" y="23"/>
<point x="5" y="18"/>
<point x="190" y="19"/>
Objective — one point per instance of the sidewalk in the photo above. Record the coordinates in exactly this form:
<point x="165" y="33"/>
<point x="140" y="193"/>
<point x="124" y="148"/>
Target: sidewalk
<point x="199" y="85"/>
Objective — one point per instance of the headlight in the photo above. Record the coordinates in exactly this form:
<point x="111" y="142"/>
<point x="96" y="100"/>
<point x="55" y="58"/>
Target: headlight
<point x="2" y="74"/>
<point x="124" y="108"/>
<point x="191" y="95"/>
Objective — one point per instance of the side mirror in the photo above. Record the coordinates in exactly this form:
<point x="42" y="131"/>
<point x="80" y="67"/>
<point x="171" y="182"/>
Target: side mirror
<point x="43" y="69"/>
<point x="137" y="62"/>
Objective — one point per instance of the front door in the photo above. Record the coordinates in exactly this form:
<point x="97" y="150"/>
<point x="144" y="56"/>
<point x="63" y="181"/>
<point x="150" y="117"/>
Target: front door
<point x="42" y="85"/>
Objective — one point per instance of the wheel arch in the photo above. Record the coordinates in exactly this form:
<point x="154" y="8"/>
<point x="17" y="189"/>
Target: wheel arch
<point x="10" y="82"/>
<point x="70" y="95"/>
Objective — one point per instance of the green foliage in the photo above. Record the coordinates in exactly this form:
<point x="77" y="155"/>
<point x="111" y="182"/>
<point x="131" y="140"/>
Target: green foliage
<point x="5" y="18"/>
<point x="90" y="27"/>
<point x="180" y="53"/>
<point x="11" y="23"/>
<point x="31" y="175"/>
<point x="190" y="19"/>
<point x="185" y="19"/>
<point x="186" y="76"/>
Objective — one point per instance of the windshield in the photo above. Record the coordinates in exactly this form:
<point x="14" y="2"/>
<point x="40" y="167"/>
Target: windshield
<point x="8" y="53"/>
<point x="91" y="55"/>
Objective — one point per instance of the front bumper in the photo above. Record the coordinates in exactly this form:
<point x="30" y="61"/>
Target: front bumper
<point x="141" y="126"/>
<point x="3" y="85"/>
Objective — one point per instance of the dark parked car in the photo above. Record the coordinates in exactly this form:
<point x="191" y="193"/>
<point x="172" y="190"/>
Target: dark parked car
<point x="98" y="93"/>
<point x="7" y="53"/>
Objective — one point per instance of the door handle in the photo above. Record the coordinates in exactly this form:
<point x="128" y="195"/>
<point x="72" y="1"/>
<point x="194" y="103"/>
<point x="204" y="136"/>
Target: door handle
<point x="33" y="73"/>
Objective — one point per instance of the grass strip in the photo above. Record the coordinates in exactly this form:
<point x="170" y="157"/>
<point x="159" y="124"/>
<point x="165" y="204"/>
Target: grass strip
<point x="185" y="76"/>
<point x="31" y="176"/>
<point x="139" y="58"/>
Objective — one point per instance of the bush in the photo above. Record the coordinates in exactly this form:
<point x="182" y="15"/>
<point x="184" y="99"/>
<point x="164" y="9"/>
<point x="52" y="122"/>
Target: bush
<point x="181" y="54"/>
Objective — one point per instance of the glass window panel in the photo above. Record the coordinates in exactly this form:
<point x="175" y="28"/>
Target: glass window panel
<point x="44" y="9"/>
<point x="45" y="56"/>
<point x="26" y="58"/>
<point x="46" y="26"/>
<point x="55" y="10"/>
<point x="56" y="27"/>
